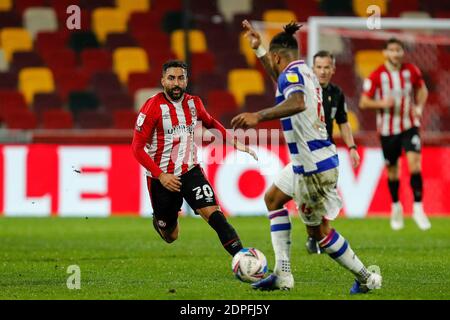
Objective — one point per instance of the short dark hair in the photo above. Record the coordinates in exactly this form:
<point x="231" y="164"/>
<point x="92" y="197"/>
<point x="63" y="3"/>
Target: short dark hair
<point x="286" y="39"/>
<point x="324" y="54"/>
<point x="174" y="64"/>
<point x="394" y="40"/>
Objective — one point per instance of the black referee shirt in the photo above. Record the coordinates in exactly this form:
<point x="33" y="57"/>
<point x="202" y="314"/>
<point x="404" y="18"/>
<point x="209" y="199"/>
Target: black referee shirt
<point x="334" y="107"/>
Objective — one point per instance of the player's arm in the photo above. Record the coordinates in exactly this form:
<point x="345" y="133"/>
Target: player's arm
<point x="254" y="39"/>
<point x="367" y="100"/>
<point x="421" y="92"/>
<point x="145" y="126"/>
<point x="294" y="104"/>
<point x="210" y="123"/>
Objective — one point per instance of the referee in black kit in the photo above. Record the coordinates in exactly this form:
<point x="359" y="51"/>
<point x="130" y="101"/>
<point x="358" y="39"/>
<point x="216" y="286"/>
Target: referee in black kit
<point x="335" y="108"/>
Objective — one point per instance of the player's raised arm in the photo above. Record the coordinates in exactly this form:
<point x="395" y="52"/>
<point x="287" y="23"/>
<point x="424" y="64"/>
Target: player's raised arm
<point x="293" y="105"/>
<point x="254" y="39"/>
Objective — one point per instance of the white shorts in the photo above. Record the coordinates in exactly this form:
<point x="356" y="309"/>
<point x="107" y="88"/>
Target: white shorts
<point x="317" y="197"/>
<point x="286" y="180"/>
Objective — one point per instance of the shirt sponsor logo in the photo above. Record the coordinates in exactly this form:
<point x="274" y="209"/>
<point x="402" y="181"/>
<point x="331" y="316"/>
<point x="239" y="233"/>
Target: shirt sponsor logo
<point x="292" y="77"/>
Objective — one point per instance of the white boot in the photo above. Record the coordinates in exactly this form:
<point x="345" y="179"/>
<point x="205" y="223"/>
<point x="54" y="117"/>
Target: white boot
<point x="420" y="217"/>
<point x="397" y="216"/>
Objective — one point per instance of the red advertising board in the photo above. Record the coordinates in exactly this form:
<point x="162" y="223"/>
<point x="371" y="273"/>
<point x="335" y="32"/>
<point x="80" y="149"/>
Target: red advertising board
<point x="44" y="180"/>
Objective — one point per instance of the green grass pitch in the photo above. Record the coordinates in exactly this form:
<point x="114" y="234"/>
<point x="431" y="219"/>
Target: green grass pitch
<point x="124" y="258"/>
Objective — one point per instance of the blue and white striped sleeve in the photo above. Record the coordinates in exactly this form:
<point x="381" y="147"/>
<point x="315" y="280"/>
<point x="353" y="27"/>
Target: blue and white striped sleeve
<point x="290" y="82"/>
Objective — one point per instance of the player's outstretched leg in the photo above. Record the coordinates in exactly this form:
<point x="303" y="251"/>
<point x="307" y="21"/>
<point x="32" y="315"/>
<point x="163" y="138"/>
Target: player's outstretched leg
<point x="338" y="248"/>
<point x="227" y="235"/>
<point x="280" y="232"/>
<point x="170" y="234"/>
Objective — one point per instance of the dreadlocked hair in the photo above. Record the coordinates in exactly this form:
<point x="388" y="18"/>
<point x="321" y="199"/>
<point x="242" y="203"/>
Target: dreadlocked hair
<point x="286" y="39"/>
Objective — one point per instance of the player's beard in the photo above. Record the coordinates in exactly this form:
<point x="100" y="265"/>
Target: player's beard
<point x="175" y="96"/>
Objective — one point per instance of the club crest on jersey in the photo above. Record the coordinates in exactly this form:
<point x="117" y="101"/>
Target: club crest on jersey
<point x="140" y="119"/>
<point x="292" y="77"/>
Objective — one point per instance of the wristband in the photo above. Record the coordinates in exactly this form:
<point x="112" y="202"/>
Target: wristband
<point x="352" y="147"/>
<point x="260" y="51"/>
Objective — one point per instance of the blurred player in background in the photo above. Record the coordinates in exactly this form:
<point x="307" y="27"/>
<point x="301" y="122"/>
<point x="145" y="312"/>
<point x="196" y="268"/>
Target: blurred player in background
<point x="314" y="162"/>
<point x="398" y="93"/>
<point x="163" y="143"/>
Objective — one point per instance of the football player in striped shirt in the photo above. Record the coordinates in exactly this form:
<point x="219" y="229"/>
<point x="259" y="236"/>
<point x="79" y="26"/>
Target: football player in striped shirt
<point x="163" y="143"/>
<point x="314" y="162"/>
<point x="397" y="92"/>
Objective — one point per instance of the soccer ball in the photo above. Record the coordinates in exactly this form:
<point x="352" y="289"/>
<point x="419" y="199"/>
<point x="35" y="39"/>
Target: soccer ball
<point x="249" y="265"/>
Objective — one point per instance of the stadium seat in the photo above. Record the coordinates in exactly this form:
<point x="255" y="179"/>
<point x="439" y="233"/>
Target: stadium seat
<point x="60" y="59"/>
<point x="4" y="65"/>
<point x="360" y="7"/>
<point x="50" y="41"/>
<point x="220" y="101"/>
<point x="210" y="81"/>
<point x="229" y="8"/>
<point x="6" y="5"/>
<point x="33" y="80"/>
<point x="242" y="82"/>
<point x="279" y="16"/>
<point x="256" y="102"/>
<point x="93" y="119"/>
<point x="8" y="80"/>
<point x="142" y="95"/>
<point x="107" y="20"/>
<point x="10" y="19"/>
<point x="155" y="41"/>
<point x="82" y="100"/>
<point x="94" y="4"/>
<point x="21" y="5"/>
<point x="96" y="60"/>
<point x="397" y="7"/>
<point x="141" y="22"/>
<point x="127" y="60"/>
<point x="331" y="43"/>
<point x="46" y="101"/>
<point x="124" y="119"/>
<point x="197" y="42"/>
<point x="203" y="62"/>
<point x="11" y="100"/>
<point x="133" y="6"/>
<point x="166" y="5"/>
<point x="105" y="82"/>
<point x="366" y="61"/>
<point x="117" y="100"/>
<point x="21" y="119"/>
<point x="246" y="50"/>
<point x="15" y="39"/>
<point x="71" y="80"/>
<point x="57" y="119"/>
<point x="115" y="40"/>
<point x="40" y="19"/>
<point x="227" y="61"/>
<point x="140" y="80"/>
<point x="25" y="59"/>
<point x="82" y="40"/>
<point x="304" y="9"/>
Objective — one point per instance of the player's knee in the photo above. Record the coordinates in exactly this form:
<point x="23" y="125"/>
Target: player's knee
<point x="271" y="201"/>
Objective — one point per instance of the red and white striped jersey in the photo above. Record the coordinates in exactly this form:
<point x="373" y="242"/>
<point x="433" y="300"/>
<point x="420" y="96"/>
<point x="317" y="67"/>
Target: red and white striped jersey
<point x="164" y="134"/>
<point x="400" y="85"/>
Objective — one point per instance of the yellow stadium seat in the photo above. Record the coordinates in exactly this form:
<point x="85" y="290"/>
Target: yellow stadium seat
<point x="15" y="39"/>
<point x="107" y="20"/>
<point x="128" y="60"/>
<point x="242" y="82"/>
<point x="34" y="80"/>
<point x="360" y="7"/>
<point x="197" y="42"/>
<point x="352" y="121"/>
<point x="246" y="50"/>
<point x="277" y="17"/>
<point x="133" y="5"/>
<point x="5" y="5"/>
<point x="280" y="16"/>
<point x="367" y="61"/>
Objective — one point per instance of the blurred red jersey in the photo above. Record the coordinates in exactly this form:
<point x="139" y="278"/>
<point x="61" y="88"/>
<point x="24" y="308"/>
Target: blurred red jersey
<point x="401" y="85"/>
<point x="164" y="134"/>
